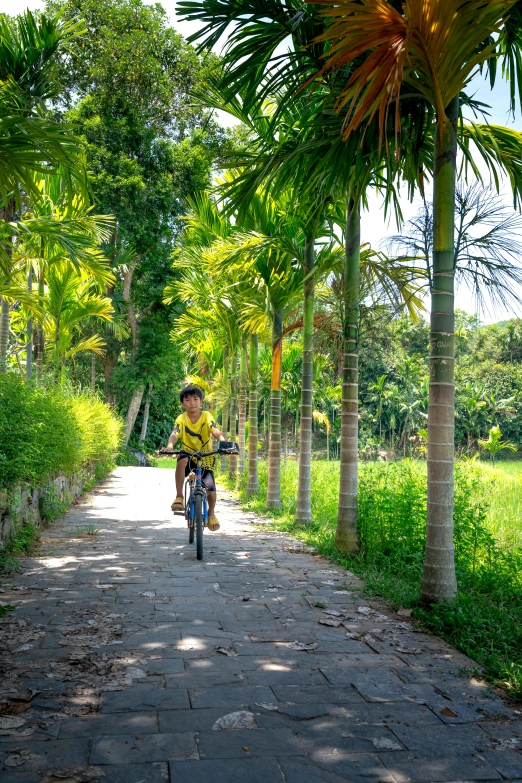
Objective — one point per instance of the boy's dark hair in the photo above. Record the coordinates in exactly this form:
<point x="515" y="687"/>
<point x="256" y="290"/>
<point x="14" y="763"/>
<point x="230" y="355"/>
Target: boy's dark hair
<point x="188" y="390"/>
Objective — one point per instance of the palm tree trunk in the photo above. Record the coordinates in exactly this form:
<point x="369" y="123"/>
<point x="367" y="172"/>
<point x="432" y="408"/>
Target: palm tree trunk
<point x="303" y="513"/>
<point x="224" y="430"/>
<point x="243" y="383"/>
<point x="7" y="214"/>
<point x="40" y="336"/>
<point x="253" y="481"/>
<point x="232" y="461"/>
<point x="4" y="334"/>
<point x="346" y="535"/>
<point x="93" y="372"/>
<point x="29" y="343"/>
<point x="439" y="581"/>
<point x="133" y="410"/>
<point x="328" y="445"/>
<point x="146" y="411"/>
<point x="273" y="495"/>
<point x="224" y="412"/>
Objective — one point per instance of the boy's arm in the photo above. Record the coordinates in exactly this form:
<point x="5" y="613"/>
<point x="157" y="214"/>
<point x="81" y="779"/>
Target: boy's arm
<point x="174" y="435"/>
<point x="218" y="434"/>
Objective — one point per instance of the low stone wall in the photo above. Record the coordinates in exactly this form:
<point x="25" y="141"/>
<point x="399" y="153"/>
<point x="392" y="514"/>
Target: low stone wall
<point x="22" y="503"/>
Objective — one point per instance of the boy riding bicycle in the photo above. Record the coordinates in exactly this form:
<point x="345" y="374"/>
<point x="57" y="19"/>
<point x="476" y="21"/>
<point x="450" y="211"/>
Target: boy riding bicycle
<point x="195" y="428"/>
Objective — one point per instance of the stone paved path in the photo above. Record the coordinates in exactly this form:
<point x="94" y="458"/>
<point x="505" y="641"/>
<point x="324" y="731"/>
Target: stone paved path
<point x="124" y="655"/>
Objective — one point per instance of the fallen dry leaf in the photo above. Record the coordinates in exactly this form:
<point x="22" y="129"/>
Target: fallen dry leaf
<point x="227" y="651"/>
<point x="448" y="712"/>
<point x="7" y="722"/>
<point x="302" y="646"/>
<point x="412" y="651"/>
<point x="330" y="621"/>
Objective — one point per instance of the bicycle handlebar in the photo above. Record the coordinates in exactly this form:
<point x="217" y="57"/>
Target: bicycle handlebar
<point x="196" y="454"/>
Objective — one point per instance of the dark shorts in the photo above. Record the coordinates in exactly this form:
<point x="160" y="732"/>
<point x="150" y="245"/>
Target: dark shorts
<point x="207" y="478"/>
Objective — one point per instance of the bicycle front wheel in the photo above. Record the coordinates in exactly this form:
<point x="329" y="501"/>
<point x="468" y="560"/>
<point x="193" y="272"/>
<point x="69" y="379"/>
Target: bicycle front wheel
<point x="199" y="526"/>
<point x="188" y="505"/>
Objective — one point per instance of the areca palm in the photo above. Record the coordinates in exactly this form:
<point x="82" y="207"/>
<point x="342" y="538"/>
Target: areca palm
<point x="30" y="46"/>
<point x="55" y="229"/>
<point x="263" y="255"/>
<point x="304" y="149"/>
<point x="433" y="49"/>
<point x="72" y="300"/>
<point x="211" y="305"/>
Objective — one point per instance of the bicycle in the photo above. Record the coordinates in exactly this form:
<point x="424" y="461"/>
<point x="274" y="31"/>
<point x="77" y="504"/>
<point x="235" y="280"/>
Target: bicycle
<point x="195" y="501"/>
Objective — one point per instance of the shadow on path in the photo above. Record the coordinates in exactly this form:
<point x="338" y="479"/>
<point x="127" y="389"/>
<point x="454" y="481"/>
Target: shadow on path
<point x="128" y="660"/>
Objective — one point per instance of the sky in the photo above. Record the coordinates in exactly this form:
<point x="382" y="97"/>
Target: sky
<point x="374" y="227"/>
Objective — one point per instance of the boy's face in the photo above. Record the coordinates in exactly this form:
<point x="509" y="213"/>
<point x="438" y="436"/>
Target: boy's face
<point x="191" y="403"/>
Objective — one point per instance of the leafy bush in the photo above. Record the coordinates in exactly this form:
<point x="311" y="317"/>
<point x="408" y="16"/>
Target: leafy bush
<point x="49" y="431"/>
<point x="485" y="621"/>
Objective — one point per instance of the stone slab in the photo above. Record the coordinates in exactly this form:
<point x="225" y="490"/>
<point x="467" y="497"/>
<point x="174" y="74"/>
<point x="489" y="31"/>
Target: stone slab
<point x="133" y="749"/>
<point x="441" y="767"/>
<point x="225" y="771"/>
<point x="140" y="700"/>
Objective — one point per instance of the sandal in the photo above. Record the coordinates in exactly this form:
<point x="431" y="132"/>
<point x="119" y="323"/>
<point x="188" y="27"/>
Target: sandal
<point x="213" y="524"/>
<point x="178" y="504"/>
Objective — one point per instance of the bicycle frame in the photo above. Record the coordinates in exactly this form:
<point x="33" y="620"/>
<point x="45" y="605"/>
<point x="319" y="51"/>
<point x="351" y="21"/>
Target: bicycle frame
<point x="197" y="488"/>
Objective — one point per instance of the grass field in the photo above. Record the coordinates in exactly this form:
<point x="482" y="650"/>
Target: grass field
<point x="485" y="621"/>
<point x="505" y="510"/>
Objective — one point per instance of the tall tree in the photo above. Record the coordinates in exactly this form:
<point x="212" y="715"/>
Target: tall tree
<point x="148" y="148"/>
<point x="434" y="49"/>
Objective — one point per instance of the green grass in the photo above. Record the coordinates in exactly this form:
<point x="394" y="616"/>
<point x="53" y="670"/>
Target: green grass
<point x="23" y="542"/>
<point x="163" y="462"/>
<point x="485" y="621"/>
<point x="505" y="512"/>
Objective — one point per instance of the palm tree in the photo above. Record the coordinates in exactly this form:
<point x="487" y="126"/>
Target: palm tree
<point x="253" y="478"/>
<point x="71" y="301"/>
<point x="261" y="255"/>
<point x="487" y="253"/>
<point x="54" y="230"/>
<point x="433" y="48"/>
<point x="30" y="142"/>
<point x="494" y="443"/>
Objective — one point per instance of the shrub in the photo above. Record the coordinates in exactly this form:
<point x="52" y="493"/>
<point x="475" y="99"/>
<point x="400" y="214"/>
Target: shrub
<point x="46" y="431"/>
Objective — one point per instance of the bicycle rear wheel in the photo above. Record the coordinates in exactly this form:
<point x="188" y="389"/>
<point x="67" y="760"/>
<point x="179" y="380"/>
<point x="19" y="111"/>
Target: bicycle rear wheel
<point x="199" y="526"/>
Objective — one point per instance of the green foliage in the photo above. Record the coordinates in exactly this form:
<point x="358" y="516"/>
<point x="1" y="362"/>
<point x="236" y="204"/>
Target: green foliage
<point x="485" y="621"/>
<point x="24" y="540"/>
<point x="52" y="506"/>
<point x="49" y="431"/>
<point x="494" y="443"/>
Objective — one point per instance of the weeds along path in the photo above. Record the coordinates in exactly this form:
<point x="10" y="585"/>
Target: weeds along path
<point x="128" y="660"/>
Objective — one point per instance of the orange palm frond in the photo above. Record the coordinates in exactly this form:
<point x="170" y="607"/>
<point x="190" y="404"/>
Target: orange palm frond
<point x="434" y="46"/>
